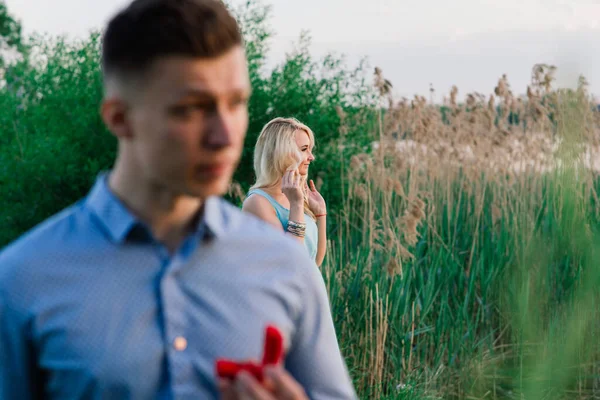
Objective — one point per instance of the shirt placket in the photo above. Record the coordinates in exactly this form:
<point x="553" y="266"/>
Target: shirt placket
<point x="177" y="342"/>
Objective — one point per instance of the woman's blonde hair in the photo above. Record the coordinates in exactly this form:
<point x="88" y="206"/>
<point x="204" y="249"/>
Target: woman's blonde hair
<point x="276" y="152"/>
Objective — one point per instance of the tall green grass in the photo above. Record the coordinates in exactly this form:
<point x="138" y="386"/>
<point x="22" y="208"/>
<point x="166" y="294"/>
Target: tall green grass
<point x="498" y="297"/>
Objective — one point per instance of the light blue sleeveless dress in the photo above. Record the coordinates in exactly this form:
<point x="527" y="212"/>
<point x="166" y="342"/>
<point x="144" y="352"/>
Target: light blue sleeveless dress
<point x="312" y="232"/>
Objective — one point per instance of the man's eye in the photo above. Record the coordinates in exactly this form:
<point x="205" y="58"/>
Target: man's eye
<point x="183" y="110"/>
<point x="180" y="111"/>
<point x="186" y="110"/>
<point x="240" y="102"/>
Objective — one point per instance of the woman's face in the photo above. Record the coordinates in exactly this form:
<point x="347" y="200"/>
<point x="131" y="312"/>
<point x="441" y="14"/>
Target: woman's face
<point x="303" y="142"/>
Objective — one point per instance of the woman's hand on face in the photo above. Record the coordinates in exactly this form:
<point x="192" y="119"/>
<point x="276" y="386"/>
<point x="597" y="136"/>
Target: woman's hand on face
<point x="316" y="202"/>
<point x="291" y="186"/>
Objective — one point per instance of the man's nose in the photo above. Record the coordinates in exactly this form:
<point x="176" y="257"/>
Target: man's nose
<point x="219" y="133"/>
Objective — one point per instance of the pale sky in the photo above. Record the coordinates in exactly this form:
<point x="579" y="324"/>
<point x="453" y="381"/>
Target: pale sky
<point x="469" y="43"/>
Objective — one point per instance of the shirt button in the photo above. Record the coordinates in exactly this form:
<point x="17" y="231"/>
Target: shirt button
<point x="180" y="343"/>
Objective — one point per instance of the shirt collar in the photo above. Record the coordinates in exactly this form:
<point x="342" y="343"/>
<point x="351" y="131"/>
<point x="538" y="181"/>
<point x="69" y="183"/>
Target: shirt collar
<point x="119" y="221"/>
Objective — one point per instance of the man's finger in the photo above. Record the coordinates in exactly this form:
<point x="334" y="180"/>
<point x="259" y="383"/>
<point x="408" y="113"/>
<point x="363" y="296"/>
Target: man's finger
<point x="284" y="386"/>
<point x="249" y="388"/>
<point x="227" y="390"/>
<point x="223" y="384"/>
<point x="227" y="387"/>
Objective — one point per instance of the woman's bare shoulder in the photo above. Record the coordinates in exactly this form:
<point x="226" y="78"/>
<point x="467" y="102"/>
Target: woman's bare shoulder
<point x="262" y="208"/>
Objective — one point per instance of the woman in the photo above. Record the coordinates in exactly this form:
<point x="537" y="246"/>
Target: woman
<point x="281" y="195"/>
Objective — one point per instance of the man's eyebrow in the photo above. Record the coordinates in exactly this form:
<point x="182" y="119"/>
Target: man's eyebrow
<point x="207" y="94"/>
<point x="193" y="92"/>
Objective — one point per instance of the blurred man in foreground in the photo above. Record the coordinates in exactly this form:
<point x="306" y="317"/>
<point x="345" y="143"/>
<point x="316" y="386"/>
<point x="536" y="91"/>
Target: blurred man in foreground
<point x="136" y="290"/>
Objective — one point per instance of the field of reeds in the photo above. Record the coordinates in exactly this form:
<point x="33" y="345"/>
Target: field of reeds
<point x="463" y="257"/>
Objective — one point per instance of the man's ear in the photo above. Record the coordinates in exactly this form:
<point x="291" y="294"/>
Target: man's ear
<point x="116" y="116"/>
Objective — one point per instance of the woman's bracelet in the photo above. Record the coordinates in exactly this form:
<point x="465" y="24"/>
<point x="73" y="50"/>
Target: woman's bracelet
<point x="296" y="228"/>
<point x="294" y="224"/>
<point x="320" y="215"/>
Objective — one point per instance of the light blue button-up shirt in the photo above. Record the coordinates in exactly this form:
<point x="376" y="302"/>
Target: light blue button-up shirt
<point x="92" y="307"/>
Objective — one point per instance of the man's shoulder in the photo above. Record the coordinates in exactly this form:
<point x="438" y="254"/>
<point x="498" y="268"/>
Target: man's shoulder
<point x="267" y="248"/>
<point x="245" y="226"/>
<point x="36" y="244"/>
<point x="241" y="222"/>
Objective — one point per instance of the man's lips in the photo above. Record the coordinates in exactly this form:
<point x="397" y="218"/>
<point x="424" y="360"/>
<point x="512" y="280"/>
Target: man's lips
<point x="212" y="170"/>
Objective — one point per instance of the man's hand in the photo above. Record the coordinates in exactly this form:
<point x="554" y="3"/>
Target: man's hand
<point x="278" y="385"/>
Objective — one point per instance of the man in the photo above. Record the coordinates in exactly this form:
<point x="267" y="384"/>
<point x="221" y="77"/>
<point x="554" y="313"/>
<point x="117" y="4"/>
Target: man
<point x="136" y="290"/>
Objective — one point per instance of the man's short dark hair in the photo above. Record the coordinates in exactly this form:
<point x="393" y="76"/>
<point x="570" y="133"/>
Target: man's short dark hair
<point x="148" y="30"/>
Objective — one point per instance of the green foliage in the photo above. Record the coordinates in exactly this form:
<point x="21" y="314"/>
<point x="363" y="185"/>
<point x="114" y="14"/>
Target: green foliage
<point x="310" y="91"/>
<point x="53" y="142"/>
<point x="10" y="28"/>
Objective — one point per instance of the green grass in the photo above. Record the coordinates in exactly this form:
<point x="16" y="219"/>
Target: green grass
<point x="500" y="298"/>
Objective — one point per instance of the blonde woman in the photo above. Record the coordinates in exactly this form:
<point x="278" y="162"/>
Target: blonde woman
<point x="282" y="195"/>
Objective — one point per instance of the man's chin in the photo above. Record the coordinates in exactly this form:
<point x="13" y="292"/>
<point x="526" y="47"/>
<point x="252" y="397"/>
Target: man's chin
<point x="207" y="189"/>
